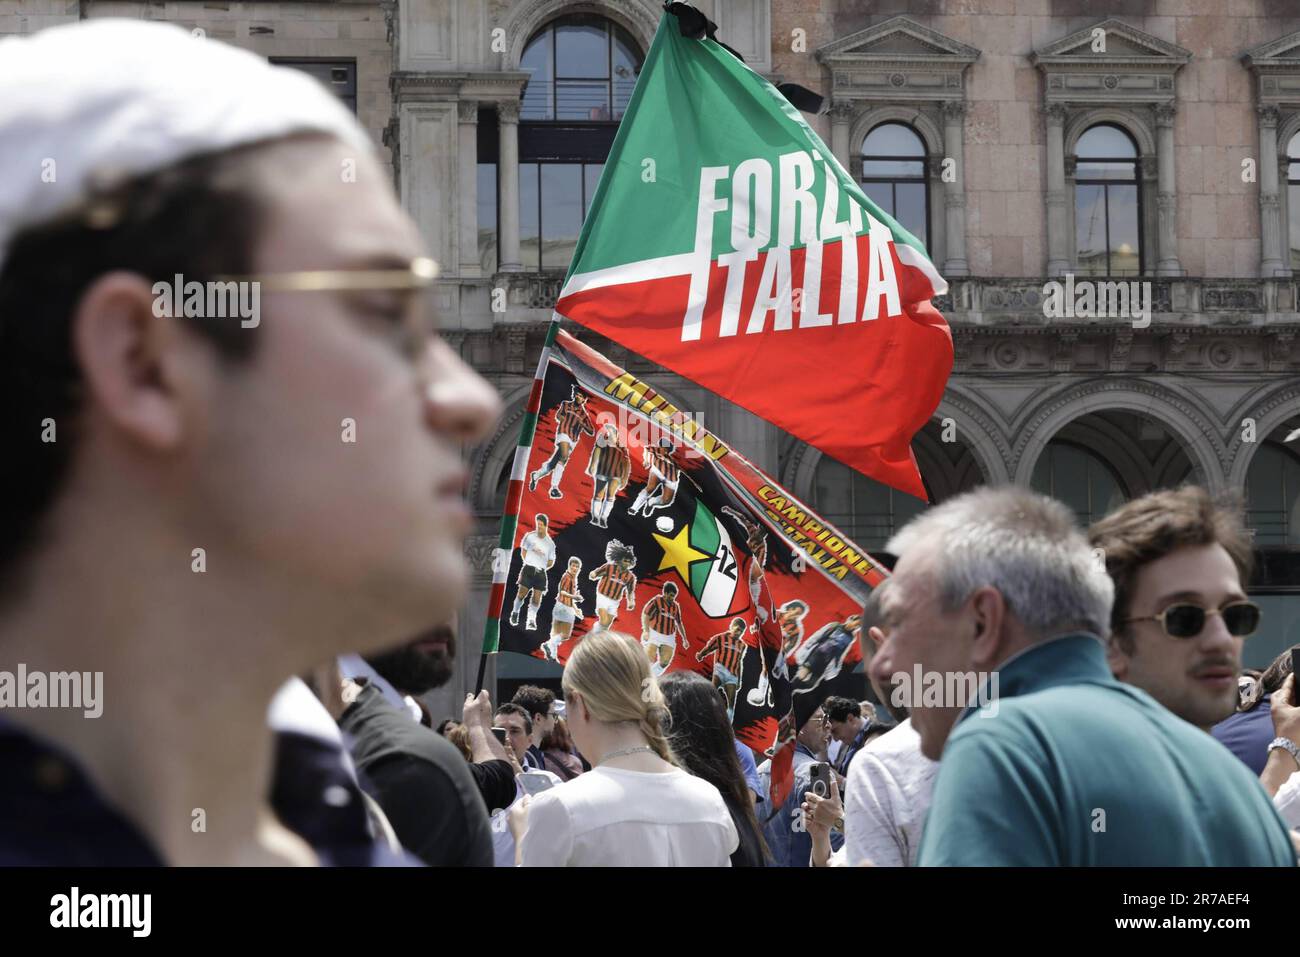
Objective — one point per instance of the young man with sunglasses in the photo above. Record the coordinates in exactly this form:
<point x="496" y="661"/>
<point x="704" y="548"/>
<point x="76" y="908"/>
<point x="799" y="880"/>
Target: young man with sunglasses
<point x="1180" y="563"/>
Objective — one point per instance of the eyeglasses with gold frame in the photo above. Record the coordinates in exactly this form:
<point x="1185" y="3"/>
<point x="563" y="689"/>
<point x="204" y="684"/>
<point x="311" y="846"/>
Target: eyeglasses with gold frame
<point x="420" y="274"/>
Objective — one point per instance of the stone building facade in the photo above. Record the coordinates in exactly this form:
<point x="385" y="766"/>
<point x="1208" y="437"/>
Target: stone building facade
<point x="1134" y="141"/>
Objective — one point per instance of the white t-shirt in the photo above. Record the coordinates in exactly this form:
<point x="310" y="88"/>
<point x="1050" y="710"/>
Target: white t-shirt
<point x="886" y="799"/>
<point x="611" y="817"/>
<point x="538" y="552"/>
<point x="503" y="839"/>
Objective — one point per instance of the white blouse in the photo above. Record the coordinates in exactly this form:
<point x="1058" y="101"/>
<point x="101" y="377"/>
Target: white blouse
<point x="610" y="817"/>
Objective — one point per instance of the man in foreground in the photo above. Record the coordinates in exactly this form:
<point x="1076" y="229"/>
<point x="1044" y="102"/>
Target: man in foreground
<point x="179" y="509"/>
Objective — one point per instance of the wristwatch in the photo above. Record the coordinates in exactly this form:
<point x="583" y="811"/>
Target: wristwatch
<point x="1287" y="745"/>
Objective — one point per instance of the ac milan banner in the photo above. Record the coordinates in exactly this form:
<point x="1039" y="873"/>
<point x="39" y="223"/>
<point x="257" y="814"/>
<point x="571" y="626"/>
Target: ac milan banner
<point x="726" y="243"/>
<point x="635" y="518"/>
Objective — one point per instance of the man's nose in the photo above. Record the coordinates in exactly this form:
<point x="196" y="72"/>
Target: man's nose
<point x="1215" y="637"/>
<point x="458" y="402"/>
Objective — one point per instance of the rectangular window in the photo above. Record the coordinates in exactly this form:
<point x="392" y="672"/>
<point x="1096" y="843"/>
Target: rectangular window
<point x="487" y="217"/>
<point x="561" y="188"/>
<point x="339" y="76"/>
<point x="1293" y="214"/>
<point x="530" y="235"/>
<point x="1090" y="230"/>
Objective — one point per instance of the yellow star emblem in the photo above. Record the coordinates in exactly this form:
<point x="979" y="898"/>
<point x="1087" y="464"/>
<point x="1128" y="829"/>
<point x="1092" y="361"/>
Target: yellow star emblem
<point x="678" y="553"/>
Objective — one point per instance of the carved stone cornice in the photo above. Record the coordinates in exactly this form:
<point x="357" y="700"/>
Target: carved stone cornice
<point x="479" y="551"/>
<point x="467" y="111"/>
<point x="508" y="111"/>
<point x="898" y="59"/>
<point x="1135" y="69"/>
<point x="843" y="111"/>
<point x="1120" y="348"/>
<point x="516" y="349"/>
<point x="484" y="87"/>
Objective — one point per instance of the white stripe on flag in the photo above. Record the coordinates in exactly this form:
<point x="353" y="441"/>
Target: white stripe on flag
<point x="682" y="264"/>
<point x="909" y="256"/>
<point x="677" y="265"/>
<point x="520" y="467"/>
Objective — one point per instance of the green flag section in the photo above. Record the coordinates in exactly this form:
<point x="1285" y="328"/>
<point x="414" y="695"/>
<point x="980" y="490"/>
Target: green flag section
<point x="726" y="243"/>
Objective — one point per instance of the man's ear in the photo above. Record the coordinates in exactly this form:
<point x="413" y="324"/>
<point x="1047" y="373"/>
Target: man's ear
<point x="990" y="611"/>
<point x="1117" y="658"/>
<point x="128" y="358"/>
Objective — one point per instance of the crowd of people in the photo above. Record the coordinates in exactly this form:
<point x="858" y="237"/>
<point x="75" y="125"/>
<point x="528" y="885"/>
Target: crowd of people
<point x="1120" y="728"/>
<point x="218" y="515"/>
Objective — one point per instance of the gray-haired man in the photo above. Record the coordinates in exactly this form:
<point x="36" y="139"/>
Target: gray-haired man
<point x="998" y="588"/>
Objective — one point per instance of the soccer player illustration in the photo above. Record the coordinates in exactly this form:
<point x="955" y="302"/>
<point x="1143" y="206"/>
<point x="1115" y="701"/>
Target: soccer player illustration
<point x="565" y="611"/>
<point x="759" y="638"/>
<point x="822" y="655"/>
<point x="610" y="467"/>
<point x="538" y="551"/>
<point x="616" y="583"/>
<point x="728" y="649"/>
<point x="661" y="484"/>
<point x="571" y="420"/>
<point x="661" y="626"/>
<point x="791" y="616"/>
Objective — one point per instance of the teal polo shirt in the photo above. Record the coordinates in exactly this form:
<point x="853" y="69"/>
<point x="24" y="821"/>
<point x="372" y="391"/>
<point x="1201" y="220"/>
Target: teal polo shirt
<point x="1078" y="769"/>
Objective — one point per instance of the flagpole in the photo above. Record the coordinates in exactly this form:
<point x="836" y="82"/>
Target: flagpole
<point x="514" y="498"/>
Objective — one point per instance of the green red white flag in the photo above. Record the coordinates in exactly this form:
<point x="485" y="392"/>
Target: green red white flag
<point x="727" y="244"/>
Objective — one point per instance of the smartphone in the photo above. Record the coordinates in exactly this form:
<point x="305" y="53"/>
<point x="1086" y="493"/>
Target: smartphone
<point x="820" y="779"/>
<point x="534" y="782"/>
<point x="500" y="733"/>
<point x="1295" y="670"/>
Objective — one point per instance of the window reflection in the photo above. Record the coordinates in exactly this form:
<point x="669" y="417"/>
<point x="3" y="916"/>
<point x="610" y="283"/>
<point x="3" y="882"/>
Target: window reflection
<point x="1273" y="495"/>
<point x="1106" y="208"/>
<point x="893" y="176"/>
<point x="583" y="68"/>
<point x="1293" y="197"/>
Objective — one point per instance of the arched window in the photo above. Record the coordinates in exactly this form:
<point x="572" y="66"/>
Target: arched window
<point x="1107" y="220"/>
<point x="1273" y="495"/>
<point x="868" y="512"/>
<point x="583" y="68"/>
<point x="1293" y="197"/>
<point x="1078" y="478"/>
<point x="893" y="176"/>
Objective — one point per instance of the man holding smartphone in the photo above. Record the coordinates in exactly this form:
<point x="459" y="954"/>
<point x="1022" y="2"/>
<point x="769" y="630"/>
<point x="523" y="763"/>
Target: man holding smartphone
<point x="518" y="728"/>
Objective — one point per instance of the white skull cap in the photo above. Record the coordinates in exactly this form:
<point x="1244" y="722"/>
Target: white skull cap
<point x="103" y="99"/>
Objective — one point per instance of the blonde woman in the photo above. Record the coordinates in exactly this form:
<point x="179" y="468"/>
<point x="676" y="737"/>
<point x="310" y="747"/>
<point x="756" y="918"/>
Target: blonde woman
<point x="636" y="807"/>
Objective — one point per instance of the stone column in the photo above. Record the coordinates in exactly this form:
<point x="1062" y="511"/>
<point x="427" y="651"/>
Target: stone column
<point x="1270" y="210"/>
<point x="954" y="193"/>
<point x="508" y="186"/>
<point x="1167" y="263"/>
<point x="1058" y="262"/>
<point x="841" y="116"/>
<point x="467" y="202"/>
